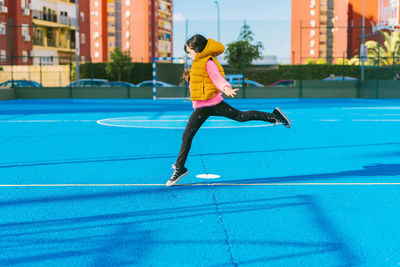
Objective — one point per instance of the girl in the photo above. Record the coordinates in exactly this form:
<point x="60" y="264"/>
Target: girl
<point x="207" y="82"/>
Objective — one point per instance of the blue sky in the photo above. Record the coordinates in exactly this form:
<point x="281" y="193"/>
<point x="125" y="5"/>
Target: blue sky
<point x="268" y="19"/>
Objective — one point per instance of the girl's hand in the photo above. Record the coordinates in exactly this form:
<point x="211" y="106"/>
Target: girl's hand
<point x="230" y="92"/>
<point x="186" y="75"/>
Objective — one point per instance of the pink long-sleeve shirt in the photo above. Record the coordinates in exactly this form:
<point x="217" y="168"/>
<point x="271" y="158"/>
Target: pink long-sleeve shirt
<point x="218" y="81"/>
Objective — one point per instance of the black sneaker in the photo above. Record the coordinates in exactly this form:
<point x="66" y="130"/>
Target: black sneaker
<point x="177" y="175"/>
<point x="281" y="118"/>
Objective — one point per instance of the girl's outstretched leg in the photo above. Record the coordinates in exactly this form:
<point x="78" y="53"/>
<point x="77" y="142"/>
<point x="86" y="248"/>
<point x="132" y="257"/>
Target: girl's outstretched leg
<point x="276" y="117"/>
<point x="198" y="117"/>
<point x="225" y="110"/>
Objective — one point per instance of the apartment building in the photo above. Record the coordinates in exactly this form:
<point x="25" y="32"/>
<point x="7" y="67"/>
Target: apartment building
<point x="329" y="29"/>
<point x="44" y="31"/>
<point x="141" y="27"/>
<point x="84" y="31"/>
<point x="15" y="32"/>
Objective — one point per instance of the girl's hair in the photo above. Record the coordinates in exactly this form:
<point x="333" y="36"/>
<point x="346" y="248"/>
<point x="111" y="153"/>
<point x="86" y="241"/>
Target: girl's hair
<point x="197" y="42"/>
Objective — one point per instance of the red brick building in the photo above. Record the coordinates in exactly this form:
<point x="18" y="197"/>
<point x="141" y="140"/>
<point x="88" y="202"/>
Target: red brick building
<point x="84" y="30"/>
<point x="15" y="32"/>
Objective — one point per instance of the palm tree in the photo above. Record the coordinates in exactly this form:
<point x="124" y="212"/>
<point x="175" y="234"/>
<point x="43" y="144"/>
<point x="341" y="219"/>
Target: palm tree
<point x="386" y="54"/>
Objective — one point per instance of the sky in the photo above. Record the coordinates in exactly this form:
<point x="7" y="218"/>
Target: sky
<point x="269" y="20"/>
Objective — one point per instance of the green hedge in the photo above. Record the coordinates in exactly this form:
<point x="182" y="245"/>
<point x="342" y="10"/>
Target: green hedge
<point x="267" y="74"/>
<point x="264" y="74"/>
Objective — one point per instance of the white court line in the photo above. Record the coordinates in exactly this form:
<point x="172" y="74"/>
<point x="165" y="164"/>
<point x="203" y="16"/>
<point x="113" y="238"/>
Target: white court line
<point x="371" y="108"/>
<point x="376" y="120"/>
<point x="45" y="121"/>
<point x="194" y="184"/>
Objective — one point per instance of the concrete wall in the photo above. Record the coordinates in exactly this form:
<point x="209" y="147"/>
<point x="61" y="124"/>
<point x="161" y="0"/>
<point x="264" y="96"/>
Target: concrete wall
<point x="7" y="94"/>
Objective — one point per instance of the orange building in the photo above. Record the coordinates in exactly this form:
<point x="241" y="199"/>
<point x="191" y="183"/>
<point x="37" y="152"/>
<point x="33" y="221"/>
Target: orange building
<point x="328" y="29"/>
<point x="141" y="27"/>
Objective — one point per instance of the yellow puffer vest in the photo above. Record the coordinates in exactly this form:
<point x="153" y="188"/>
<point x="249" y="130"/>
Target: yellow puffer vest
<point x="201" y="86"/>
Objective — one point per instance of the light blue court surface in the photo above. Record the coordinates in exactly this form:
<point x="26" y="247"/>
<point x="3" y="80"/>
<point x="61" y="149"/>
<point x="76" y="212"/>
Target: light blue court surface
<point x="82" y="184"/>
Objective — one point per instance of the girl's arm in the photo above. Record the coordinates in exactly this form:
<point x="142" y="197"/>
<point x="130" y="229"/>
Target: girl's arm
<point x="218" y="80"/>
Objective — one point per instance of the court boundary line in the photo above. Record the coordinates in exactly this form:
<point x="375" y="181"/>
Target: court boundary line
<point x="196" y="184"/>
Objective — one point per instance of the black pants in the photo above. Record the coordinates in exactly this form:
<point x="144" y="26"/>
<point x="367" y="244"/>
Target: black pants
<point x="200" y="115"/>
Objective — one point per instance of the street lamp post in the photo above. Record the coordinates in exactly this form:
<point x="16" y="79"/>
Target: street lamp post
<point x="362" y="43"/>
<point x="77" y="41"/>
<point x="219" y="33"/>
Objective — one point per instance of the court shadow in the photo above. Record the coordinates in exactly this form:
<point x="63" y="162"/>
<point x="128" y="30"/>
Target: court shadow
<point x="375" y="169"/>
<point x="127" y="244"/>
<point x="171" y="156"/>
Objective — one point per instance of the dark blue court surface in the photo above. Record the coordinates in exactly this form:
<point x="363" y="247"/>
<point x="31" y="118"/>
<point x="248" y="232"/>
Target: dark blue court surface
<point x="82" y="184"/>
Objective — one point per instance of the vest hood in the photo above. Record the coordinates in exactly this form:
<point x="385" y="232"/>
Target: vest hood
<point x="213" y="48"/>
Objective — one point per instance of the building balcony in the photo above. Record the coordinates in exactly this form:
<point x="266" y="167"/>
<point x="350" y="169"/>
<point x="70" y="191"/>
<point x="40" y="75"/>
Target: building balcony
<point x="38" y="41"/>
<point x="165" y="10"/>
<point x="46" y="43"/>
<point x="51" y="42"/>
<point x="165" y="25"/>
<point x="164" y="46"/>
<point x="61" y="21"/>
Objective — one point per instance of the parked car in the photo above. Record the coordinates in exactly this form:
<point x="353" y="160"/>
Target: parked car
<point x="19" y="83"/>
<point x="340" y="78"/>
<point x="119" y="84"/>
<point x="282" y="83"/>
<point x="233" y="78"/>
<point x="248" y="83"/>
<point x="236" y="80"/>
<point x="88" y="83"/>
<point x="158" y="84"/>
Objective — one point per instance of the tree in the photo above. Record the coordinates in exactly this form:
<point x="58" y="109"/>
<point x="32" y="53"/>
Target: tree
<point x="120" y="63"/>
<point x="243" y="51"/>
<point x="386" y="54"/>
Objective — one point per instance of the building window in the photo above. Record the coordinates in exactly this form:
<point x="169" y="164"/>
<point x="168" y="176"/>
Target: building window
<point x="312" y="52"/>
<point x="24" y="56"/>
<point x="3" y="56"/>
<point x="96" y="3"/>
<point x="96" y="44"/>
<point x="127" y="2"/>
<point x="82" y="16"/>
<point x="83" y="59"/>
<point x="312" y="23"/>
<point x="25" y="32"/>
<point x="312" y="43"/>
<point x="127" y="13"/>
<point x="312" y="4"/>
<point x="96" y="35"/>
<point x="3" y="28"/>
<point x="24" y="4"/>
<point x="83" y="38"/>
<point x="127" y="34"/>
<point x="312" y="12"/>
<point x="312" y="33"/>
<point x="96" y="23"/>
<point x="127" y="45"/>
<point x="96" y="54"/>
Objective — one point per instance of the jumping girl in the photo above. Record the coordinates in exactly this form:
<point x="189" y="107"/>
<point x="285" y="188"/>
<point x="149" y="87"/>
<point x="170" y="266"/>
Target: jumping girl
<point x="206" y="82"/>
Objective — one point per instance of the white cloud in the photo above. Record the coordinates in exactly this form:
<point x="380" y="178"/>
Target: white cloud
<point x="179" y="17"/>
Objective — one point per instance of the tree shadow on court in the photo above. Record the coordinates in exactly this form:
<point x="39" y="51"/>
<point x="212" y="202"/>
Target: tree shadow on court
<point x="172" y="156"/>
<point x="124" y="243"/>
<point x="380" y="170"/>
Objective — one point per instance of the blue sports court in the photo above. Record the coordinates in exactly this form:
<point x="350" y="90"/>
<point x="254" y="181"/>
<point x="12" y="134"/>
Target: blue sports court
<point x="82" y="184"/>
